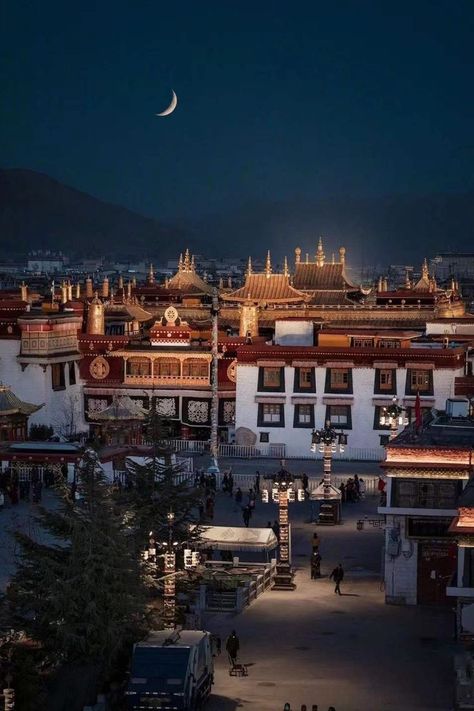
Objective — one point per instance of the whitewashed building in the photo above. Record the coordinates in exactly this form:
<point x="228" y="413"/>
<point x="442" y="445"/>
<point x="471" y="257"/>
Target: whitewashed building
<point x="285" y="391"/>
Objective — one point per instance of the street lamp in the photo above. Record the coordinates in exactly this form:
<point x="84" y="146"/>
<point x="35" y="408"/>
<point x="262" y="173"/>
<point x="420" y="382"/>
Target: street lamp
<point x="328" y="441"/>
<point x="283" y="491"/>
<point x="150" y="556"/>
<point x="393" y="416"/>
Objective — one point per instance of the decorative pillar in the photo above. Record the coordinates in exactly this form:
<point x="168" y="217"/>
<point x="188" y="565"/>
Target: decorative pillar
<point x="169" y="595"/>
<point x="214" y="439"/>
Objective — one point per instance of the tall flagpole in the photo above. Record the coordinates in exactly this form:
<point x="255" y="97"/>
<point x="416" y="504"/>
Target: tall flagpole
<point x="214" y="441"/>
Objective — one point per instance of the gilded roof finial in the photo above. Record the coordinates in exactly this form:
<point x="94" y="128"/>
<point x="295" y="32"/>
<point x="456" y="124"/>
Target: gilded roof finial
<point x="320" y="253"/>
<point x="307" y="257"/>
<point x="180" y="263"/>
<point x="151" y="275"/>
<point x="268" y="264"/>
<point x="285" y="267"/>
<point x="193" y="264"/>
<point x="297" y="255"/>
<point x="249" y="266"/>
<point x="424" y="269"/>
<point x="407" y="279"/>
<point x="187" y="261"/>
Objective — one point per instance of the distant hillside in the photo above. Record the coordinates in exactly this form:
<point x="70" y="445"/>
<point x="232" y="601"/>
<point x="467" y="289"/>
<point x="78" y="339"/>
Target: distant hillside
<point x="39" y="212"/>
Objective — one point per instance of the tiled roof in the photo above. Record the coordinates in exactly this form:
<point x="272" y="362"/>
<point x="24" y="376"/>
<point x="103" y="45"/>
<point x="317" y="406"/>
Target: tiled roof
<point x="309" y="276"/>
<point x="122" y="408"/>
<point x="328" y="296"/>
<point x="266" y="287"/>
<point x="10" y="404"/>
<point x="189" y="282"/>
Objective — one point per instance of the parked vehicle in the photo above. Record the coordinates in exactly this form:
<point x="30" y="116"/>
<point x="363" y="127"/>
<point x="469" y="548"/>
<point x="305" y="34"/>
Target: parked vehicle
<point x="171" y="670"/>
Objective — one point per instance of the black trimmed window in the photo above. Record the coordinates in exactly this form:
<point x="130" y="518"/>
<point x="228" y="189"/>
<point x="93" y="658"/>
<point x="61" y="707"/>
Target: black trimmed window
<point x="304" y="416"/>
<point x="377" y="412"/>
<point x="338" y="380"/>
<point x="58" y="381"/>
<point x="271" y="415"/>
<point x="72" y="373"/>
<point x="384" y="440"/>
<point x="265" y="437"/>
<point x="340" y="416"/>
<point x="305" y="381"/>
<point x="419" y="381"/>
<point x="389" y="343"/>
<point x="271" y="379"/>
<point x="385" y="381"/>
<point x="425" y="493"/>
<point x="360" y="342"/>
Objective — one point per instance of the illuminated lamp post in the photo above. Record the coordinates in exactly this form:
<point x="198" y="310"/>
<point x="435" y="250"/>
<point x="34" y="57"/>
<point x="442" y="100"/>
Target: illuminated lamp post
<point x="283" y="491"/>
<point x="150" y="555"/>
<point x="328" y="441"/>
<point x="393" y="416"/>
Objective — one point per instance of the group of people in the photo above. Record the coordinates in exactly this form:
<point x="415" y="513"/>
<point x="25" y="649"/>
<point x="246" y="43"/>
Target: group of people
<point x="353" y="490"/>
<point x="303" y="707"/>
<point x="15" y="488"/>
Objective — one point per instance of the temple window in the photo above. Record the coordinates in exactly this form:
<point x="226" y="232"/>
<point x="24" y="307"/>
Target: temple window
<point x="271" y="379"/>
<point x="304" y="416"/>
<point x="385" y="380"/>
<point x="166" y="368"/>
<point x="139" y="367"/>
<point x="389" y="343"/>
<point x="195" y="368"/>
<point x="58" y="381"/>
<point x="419" y="381"/>
<point x="72" y="373"/>
<point x="270" y="415"/>
<point x="339" y="416"/>
<point x="339" y="380"/>
<point x="362" y="342"/>
<point x="304" y="380"/>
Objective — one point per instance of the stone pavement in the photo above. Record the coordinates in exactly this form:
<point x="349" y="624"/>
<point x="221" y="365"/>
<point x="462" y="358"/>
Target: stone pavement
<point x="312" y="646"/>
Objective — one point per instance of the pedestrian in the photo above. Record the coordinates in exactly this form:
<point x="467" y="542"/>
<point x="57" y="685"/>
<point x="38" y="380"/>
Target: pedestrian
<point x="338" y="576"/>
<point x="362" y="488"/>
<point x="225" y="482"/>
<point x="232" y="646"/>
<point x="246" y="513"/>
<point x="276" y="530"/>
<point x="315" y="565"/>
<point x="315" y="542"/>
<point x="257" y="482"/>
<point x="238" y="495"/>
<point x="342" y="489"/>
<point x="210" y="507"/>
<point x="230" y="482"/>
<point x="304" y="482"/>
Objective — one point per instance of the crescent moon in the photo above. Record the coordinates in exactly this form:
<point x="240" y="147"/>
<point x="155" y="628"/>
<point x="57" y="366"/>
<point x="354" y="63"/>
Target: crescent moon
<point x="171" y="107"/>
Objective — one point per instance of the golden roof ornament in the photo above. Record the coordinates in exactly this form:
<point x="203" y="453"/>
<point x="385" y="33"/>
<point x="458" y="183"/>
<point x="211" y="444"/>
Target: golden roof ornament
<point x="187" y="261"/>
<point x="297" y="255"/>
<point x="249" y="266"/>
<point x="180" y="263"/>
<point x="424" y="269"/>
<point x="268" y="265"/>
<point x="320" y="253"/>
<point x="285" y="267"/>
<point x="193" y="264"/>
<point x="407" y="279"/>
<point x="342" y="255"/>
<point x="151" y="275"/>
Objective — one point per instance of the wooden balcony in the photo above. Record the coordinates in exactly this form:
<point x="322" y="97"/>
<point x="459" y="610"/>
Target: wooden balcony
<point x="174" y="381"/>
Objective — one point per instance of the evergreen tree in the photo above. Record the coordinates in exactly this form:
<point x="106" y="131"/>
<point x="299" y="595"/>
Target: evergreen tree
<point x="78" y="592"/>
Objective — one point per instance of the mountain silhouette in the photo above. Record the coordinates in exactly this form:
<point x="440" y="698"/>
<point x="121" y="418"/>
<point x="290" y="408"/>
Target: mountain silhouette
<point x="38" y="212"/>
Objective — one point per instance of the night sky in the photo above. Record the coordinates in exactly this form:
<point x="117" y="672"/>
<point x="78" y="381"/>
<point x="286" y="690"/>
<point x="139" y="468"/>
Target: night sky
<point x="277" y="100"/>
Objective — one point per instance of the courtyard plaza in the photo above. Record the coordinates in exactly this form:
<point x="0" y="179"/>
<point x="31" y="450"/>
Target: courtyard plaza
<point x="311" y="646"/>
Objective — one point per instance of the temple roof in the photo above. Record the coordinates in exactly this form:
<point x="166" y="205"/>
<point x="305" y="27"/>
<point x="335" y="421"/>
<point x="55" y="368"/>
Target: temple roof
<point x="266" y="287"/>
<point x="313" y="276"/>
<point x="186" y="278"/>
<point x="10" y="404"/>
<point x="122" y="408"/>
<point x="126" y="311"/>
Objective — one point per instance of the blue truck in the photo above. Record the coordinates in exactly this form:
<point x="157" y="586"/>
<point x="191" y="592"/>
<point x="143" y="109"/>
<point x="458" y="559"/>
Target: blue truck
<point x="172" y="671"/>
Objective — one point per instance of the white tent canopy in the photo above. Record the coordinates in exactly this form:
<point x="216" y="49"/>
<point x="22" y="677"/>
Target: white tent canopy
<point x="238" y="538"/>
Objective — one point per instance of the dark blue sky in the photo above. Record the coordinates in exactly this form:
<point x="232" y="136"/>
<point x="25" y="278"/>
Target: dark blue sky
<point x="277" y="100"/>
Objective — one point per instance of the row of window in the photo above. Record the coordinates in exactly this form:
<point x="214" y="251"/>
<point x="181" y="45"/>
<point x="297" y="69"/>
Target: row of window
<point x="339" y="380"/>
<point x="58" y="375"/>
<point x="340" y="416"/>
<point x="167" y="367"/>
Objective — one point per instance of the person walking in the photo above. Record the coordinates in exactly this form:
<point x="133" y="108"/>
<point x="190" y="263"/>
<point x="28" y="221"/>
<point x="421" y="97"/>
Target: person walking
<point x="232" y="646"/>
<point x="230" y="483"/>
<point x="315" y="565"/>
<point x="338" y="576"/>
<point x="257" y="482"/>
<point x="238" y="495"/>
<point x="246" y="513"/>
